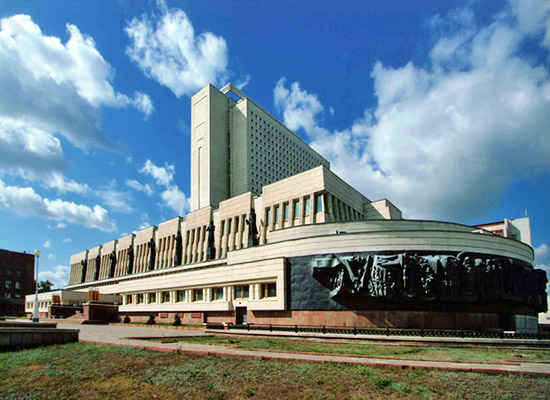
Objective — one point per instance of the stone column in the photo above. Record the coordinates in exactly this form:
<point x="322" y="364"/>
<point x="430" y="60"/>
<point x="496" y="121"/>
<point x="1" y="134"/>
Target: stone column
<point x="330" y="209"/>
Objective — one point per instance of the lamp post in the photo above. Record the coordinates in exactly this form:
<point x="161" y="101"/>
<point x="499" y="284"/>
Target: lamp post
<point x="35" y="315"/>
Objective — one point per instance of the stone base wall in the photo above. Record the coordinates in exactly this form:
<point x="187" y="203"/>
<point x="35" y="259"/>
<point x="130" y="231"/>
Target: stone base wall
<point x="100" y="312"/>
<point x="379" y="319"/>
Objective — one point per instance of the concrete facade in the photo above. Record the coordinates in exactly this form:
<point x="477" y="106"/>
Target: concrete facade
<point x="242" y="160"/>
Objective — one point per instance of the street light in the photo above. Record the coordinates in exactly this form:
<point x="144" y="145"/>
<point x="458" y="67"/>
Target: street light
<point x="35" y="315"/>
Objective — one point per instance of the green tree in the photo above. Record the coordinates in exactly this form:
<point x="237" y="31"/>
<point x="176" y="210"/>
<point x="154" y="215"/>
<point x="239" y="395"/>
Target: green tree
<point x="44" y="286"/>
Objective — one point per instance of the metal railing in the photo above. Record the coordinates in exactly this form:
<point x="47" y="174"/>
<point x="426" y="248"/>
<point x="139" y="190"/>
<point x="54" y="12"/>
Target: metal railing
<point x="496" y="334"/>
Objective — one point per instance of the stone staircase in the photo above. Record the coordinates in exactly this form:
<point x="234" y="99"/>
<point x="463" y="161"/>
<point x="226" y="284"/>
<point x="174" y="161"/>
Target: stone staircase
<point x="76" y="319"/>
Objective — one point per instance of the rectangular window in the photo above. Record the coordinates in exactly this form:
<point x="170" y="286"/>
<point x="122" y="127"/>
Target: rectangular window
<point x="180" y="296"/>
<point x="276" y="214"/>
<point x="8" y="284"/>
<point x="319" y="201"/>
<point x="297" y="209"/>
<point x="152" y="298"/>
<point x="268" y="217"/>
<point x="307" y="205"/>
<point x="8" y="272"/>
<point x="217" y="293"/>
<point x="129" y="299"/>
<point x="197" y="294"/>
<point x="139" y="298"/>
<point x="268" y="290"/>
<point x="18" y="273"/>
<point x="285" y="212"/>
<point x="165" y="297"/>
<point x="18" y="285"/>
<point x="242" y="291"/>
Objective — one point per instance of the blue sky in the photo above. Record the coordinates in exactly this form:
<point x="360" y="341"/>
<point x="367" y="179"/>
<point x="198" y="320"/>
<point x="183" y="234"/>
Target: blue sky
<point x="442" y="107"/>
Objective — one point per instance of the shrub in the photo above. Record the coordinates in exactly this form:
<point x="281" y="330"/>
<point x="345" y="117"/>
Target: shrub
<point x="126" y="319"/>
<point x="151" y="320"/>
<point x="177" y="320"/>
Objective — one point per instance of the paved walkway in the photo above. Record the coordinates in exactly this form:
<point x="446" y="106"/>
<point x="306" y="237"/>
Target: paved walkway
<point x="128" y="336"/>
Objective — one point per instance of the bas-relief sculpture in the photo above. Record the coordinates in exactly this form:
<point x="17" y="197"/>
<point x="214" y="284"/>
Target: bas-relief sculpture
<point x="84" y="264"/>
<point x="252" y="229"/>
<point x="96" y="267"/>
<point x="130" y="267"/>
<point x="112" y="258"/>
<point x="152" y="254"/>
<point x="460" y="278"/>
<point x="179" y="249"/>
<point x="211" y="249"/>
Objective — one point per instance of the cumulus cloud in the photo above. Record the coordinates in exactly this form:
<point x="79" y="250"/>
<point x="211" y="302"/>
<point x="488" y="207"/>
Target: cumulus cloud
<point x="166" y="48"/>
<point x="533" y="18"/>
<point x="146" y="188"/>
<point x="171" y="196"/>
<point x="162" y="175"/>
<point x="445" y="140"/>
<point x="57" y="181"/>
<point x="175" y="199"/>
<point x="25" y="201"/>
<point x="59" y="276"/>
<point x="57" y="87"/>
<point x="542" y="254"/>
<point x="67" y="240"/>
<point x="47" y="244"/>
<point x="61" y="225"/>
<point x="49" y="88"/>
<point x="300" y="109"/>
<point x="114" y="199"/>
<point x="51" y="256"/>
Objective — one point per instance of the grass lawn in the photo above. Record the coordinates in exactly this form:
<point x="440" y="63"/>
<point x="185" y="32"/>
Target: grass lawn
<point x="477" y="354"/>
<point x="88" y="371"/>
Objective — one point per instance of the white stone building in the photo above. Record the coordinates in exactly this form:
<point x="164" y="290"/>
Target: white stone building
<point x="324" y="254"/>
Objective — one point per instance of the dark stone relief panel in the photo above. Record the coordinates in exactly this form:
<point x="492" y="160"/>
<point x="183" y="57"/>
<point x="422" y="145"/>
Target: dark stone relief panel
<point x="414" y="281"/>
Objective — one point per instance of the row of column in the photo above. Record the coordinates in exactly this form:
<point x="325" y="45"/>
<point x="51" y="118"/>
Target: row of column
<point x="233" y="235"/>
<point x="340" y="211"/>
<point x="195" y="245"/>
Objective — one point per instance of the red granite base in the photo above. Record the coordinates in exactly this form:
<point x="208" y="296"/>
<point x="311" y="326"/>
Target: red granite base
<point x="379" y="319"/>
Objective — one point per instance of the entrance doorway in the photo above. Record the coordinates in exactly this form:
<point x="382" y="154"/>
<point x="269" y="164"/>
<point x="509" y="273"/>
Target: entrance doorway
<point x="240" y="315"/>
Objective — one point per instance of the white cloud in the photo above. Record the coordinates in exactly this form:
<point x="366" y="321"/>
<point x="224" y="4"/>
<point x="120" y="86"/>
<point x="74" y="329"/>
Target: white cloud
<point x="25" y="147"/>
<point x="167" y="50"/>
<point x="144" y="222"/>
<point x="542" y="254"/>
<point x="56" y="87"/>
<point x="57" y="181"/>
<point x="176" y="200"/>
<point x="47" y="244"/>
<point x="172" y="197"/>
<point x="445" y="140"/>
<point x="50" y="88"/>
<point x="67" y="240"/>
<point x="26" y="201"/>
<point x="51" y="256"/>
<point x="242" y="82"/>
<point x="300" y="108"/>
<point x="115" y="200"/>
<point x="61" y="225"/>
<point x="59" y="276"/>
<point x="533" y="18"/>
<point x="147" y="189"/>
<point x="162" y="175"/>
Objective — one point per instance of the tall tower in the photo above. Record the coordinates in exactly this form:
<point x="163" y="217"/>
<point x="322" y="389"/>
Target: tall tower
<point x="209" y="148"/>
<point x="238" y="147"/>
